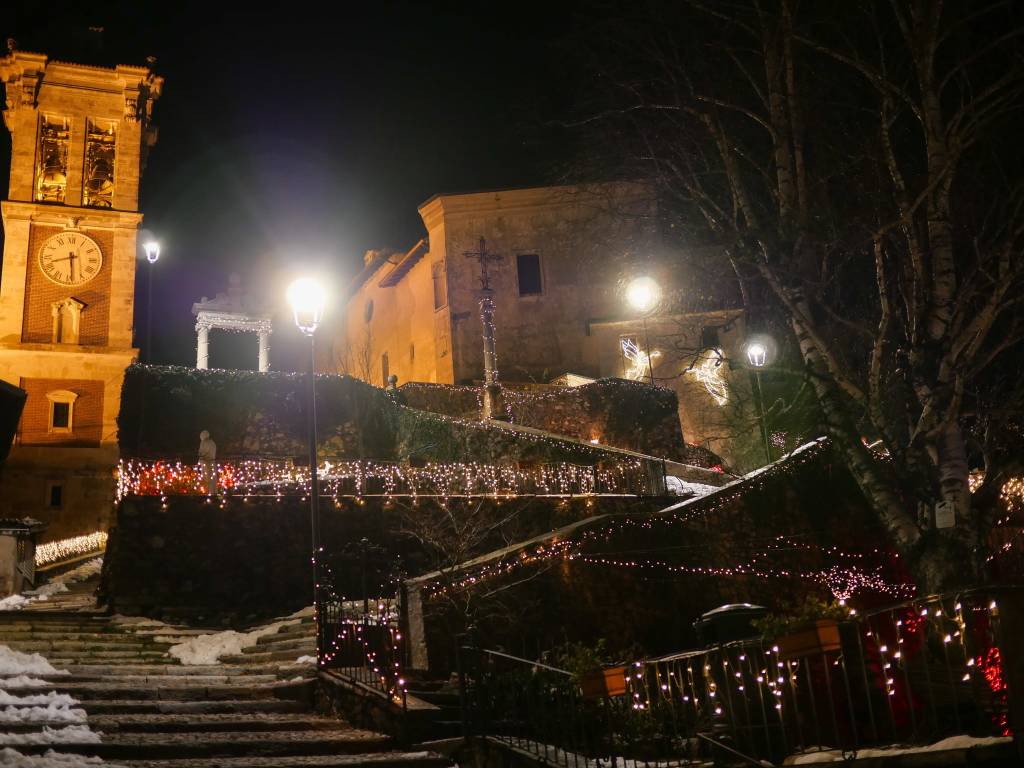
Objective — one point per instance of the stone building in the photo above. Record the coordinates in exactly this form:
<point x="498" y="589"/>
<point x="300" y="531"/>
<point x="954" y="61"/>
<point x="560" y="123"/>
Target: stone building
<point x="566" y="257"/>
<point x="79" y="138"/>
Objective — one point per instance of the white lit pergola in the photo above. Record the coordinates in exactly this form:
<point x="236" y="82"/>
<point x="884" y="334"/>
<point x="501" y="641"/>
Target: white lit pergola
<point x="231" y="311"/>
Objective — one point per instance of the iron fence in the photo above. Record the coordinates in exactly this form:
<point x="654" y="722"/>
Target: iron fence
<point x="912" y="673"/>
<point x="363" y="646"/>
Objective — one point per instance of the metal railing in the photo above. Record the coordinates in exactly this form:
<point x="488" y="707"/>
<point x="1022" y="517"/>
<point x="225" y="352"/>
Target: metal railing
<point x="912" y="673"/>
<point x="363" y="646"/>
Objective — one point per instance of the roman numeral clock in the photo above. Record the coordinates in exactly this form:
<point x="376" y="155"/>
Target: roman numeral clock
<point x="70" y="258"/>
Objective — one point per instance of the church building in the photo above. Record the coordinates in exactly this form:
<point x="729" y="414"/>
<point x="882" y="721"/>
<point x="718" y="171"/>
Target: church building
<point x="79" y="139"/>
<point x="559" y="261"/>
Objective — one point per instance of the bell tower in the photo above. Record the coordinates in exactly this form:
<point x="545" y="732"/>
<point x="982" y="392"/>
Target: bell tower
<point x="79" y="138"/>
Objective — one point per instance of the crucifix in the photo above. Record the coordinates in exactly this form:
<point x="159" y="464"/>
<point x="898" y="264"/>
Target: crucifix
<point x="492" y="391"/>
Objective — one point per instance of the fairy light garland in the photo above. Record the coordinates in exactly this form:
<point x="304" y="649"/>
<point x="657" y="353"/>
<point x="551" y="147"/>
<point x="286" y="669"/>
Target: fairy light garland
<point x="717" y="684"/>
<point x="63" y="549"/>
<point x="257" y="477"/>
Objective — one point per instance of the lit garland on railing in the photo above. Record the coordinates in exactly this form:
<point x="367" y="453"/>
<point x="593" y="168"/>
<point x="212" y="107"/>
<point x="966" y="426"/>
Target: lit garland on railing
<point x="706" y="684"/>
<point x="358" y="478"/>
<point x="54" y="551"/>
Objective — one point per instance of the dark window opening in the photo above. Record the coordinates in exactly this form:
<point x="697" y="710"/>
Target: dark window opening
<point x="368" y="311"/>
<point x="61" y="415"/>
<point x="56" y="495"/>
<point x="528" y="268"/>
<point x="709" y="337"/>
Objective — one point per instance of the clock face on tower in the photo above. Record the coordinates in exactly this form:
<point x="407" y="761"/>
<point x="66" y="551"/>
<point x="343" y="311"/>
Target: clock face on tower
<point x="70" y="258"/>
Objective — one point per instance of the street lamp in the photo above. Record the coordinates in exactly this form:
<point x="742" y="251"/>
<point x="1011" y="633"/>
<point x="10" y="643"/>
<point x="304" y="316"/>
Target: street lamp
<point x="757" y="356"/>
<point x="152" y="249"/>
<point x="643" y="294"/>
<point x="307" y="299"/>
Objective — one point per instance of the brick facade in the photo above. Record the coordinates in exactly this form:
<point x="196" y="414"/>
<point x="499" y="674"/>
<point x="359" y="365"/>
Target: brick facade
<point x="41" y="292"/>
<point x="87" y="418"/>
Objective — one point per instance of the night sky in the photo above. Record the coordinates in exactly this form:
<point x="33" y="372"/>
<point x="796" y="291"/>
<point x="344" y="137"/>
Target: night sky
<point x="296" y="138"/>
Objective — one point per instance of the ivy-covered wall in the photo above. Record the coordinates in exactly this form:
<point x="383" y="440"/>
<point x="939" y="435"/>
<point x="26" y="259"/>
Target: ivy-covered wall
<point x="616" y="412"/>
<point x="164" y="408"/>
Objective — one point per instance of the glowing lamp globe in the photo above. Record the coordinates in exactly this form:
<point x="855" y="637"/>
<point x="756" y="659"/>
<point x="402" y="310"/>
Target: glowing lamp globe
<point x="757" y="354"/>
<point x="643" y="294"/>
<point x="307" y="299"/>
<point x="152" y="249"/>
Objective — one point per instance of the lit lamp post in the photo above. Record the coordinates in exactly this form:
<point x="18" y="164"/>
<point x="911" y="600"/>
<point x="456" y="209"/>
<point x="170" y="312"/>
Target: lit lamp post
<point x="152" y="249"/>
<point x="307" y="298"/>
<point x="757" y="356"/>
<point x="643" y="294"/>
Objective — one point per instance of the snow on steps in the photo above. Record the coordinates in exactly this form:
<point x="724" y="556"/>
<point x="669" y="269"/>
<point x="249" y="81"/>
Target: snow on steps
<point x="132" y="702"/>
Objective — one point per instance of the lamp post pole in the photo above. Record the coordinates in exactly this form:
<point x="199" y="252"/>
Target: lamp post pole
<point x="757" y="356"/>
<point x="152" y="249"/>
<point x="647" y="344"/>
<point x="760" y="408"/>
<point x="643" y="294"/>
<point x="314" y="486"/>
<point x="307" y="300"/>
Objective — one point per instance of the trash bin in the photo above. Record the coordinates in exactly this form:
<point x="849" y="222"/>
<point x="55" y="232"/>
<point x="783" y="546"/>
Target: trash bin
<point x="18" y="554"/>
<point x="728" y="622"/>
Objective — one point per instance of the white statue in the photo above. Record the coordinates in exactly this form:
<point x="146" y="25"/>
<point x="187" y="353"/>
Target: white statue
<point x="208" y="461"/>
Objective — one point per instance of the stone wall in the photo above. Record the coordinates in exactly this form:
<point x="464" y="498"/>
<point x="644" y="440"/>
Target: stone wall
<point x="164" y="409"/>
<point x="235" y="562"/>
<point x="615" y="412"/>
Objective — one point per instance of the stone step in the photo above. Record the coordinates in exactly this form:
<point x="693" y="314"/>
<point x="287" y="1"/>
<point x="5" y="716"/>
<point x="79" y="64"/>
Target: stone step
<point x="169" y="679"/>
<point x="177" y="746"/>
<point x="165" y="669"/>
<point x="100" y="707"/>
<point x="297" y="689"/>
<point x="290" y="654"/>
<point x="288" y="633"/>
<point x="46" y="646"/>
<point x="62" y="658"/>
<point x="374" y="760"/>
<point x="300" y="643"/>
<point x="47" y="636"/>
<point x="197" y="723"/>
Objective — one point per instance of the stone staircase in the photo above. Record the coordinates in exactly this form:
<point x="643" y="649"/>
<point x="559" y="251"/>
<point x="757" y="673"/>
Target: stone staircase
<point x="253" y="709"/>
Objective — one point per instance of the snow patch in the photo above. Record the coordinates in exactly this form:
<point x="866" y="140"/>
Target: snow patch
<point x="953" y="742"/>
<point x="51" y="715"/>
<point x="13" y="603"/>
<point x="50" y="698"/>
<point x="17" y="663"/>
<point x="11" y="758"/>
<point x="55" y="586"/>
<point x="24" y="681"/>
<point x="306" y="660"/>
<point x="72" y="734"/>
<point x="207" y="649"/>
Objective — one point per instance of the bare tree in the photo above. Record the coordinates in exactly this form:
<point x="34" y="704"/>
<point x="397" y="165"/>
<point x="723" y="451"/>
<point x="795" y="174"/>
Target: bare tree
<point x="857" y="167"/>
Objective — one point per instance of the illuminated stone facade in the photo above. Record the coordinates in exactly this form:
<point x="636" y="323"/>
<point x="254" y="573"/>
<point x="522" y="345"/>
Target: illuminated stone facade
<point x="566" y="256"/>
<point x="79" y="136"/>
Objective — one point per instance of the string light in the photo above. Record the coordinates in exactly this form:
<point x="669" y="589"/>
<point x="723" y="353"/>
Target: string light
<point x="63" y="549"/>
<point x="251" y="477"/>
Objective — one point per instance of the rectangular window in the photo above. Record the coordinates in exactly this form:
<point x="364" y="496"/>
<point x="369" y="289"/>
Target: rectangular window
<point x="98" y="186"/>
<point x="55" y="495"/>
<point x="385" y="369"/>
<point x="52" y="159"/>
<point x="709" y="337"/>
<point x="440" y="284"/>
<point x="528" y="271"/>
<point x="61" y="418"/>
